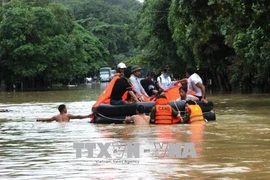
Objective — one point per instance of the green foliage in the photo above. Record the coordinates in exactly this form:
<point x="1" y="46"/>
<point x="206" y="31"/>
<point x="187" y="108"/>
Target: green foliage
<point x="227" y="38"/>
<point x="111" y="21"/>
<point x="41" y="39"/>
<point x="155" y="37"/>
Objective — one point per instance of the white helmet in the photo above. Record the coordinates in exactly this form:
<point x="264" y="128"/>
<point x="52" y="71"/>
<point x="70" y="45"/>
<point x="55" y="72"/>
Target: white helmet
<point x="121" y="65"/>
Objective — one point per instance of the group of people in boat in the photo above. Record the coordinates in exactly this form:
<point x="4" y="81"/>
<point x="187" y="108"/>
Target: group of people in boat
<point x="146" y="89"/>
<point x="162" y="112"/>
<point x="127" y="89"/>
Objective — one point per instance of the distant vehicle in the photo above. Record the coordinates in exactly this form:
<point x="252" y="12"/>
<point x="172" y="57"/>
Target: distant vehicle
<point x="105" y="74"/>
<point x="113" y="73"/>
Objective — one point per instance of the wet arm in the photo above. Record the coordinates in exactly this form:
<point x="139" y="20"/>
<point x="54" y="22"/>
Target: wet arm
<point x="78" y="116"/>
<point x="46" y="119"/>
<point x="128" y="119"/>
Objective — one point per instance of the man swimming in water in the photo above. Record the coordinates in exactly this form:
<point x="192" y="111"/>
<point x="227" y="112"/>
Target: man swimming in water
<point x="63" y="116"/>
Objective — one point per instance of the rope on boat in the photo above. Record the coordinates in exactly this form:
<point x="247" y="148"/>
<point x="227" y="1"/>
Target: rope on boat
<point x="118" y="119"/>
<point x="124" y="119"/>
<point x="177" y="107"/>
<point x="110" y="117"/>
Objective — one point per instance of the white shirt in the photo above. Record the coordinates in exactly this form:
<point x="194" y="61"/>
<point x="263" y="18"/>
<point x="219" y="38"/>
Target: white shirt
<point x="192" y="81"/>
<point x="165" y="82"/>
<point x="137" y="87"/>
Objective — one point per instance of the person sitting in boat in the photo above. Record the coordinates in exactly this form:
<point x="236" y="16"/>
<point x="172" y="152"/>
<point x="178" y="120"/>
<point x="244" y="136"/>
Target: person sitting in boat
<point x="185" y="95"/>
<point x="194" y="113"/>
<point x="63" y="116"/>
<point x="120" y="86"/>
<point x="164" y="81"/>
<point x="149" y="85"/>
<point x="195" y="83"/>
<point x="163" y="112"/>
<point x="121" y="68"/>
<point x="140" y="118"/>
<point x="137" y="87"/>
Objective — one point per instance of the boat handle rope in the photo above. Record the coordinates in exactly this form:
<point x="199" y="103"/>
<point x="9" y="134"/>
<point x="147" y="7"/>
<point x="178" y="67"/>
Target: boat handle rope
<point x="177" y="107"/>
<point x="124" y="119"/>
<point x="110" y="118"/>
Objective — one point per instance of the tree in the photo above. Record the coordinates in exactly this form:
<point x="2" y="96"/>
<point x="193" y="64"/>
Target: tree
<point x="40" y="39"/>
<point x="155" y="37"/>
<point x="113" y="22"/>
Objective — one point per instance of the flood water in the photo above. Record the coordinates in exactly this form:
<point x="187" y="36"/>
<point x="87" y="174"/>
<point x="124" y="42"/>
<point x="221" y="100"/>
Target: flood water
<point x="236" y="146"/>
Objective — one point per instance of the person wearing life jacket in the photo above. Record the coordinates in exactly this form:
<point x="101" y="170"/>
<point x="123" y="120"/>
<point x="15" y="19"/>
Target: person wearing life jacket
<point x="194" y="113"/>
<point x="163" y="112"/>
<point x="120" y="87"/>
<point x="105" y="96"/>
<point x="186" y="95"/>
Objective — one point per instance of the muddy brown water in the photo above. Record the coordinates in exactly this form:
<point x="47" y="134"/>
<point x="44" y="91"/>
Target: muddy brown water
<point x="236" y="146"/>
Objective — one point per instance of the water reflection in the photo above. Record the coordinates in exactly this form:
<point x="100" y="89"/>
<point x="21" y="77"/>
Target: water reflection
<point x="235" y="146"/>
<point x="103" y="85"/>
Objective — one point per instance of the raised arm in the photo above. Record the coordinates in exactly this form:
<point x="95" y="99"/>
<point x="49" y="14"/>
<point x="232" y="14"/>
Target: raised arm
<point x="182" y="81"/>
<point x="46" y="119"/>
<point x="78" y="116"/>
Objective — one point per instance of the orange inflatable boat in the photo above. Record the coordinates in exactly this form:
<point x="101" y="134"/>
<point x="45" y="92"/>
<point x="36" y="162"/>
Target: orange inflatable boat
<point x="105" y="113"/>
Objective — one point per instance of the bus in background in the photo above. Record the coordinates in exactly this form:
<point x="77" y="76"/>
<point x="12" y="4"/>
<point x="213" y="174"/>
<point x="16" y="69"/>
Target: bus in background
<point x="105" y="74"/>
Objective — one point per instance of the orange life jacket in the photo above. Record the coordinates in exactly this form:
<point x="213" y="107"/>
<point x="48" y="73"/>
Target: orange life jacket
<point x="164" y="112"/>
<point x="105" y="96"/>
<point x="196" y="114"/>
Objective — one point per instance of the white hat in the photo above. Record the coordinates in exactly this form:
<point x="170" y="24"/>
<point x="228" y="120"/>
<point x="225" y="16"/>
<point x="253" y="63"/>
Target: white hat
<point x="121" y="65"/>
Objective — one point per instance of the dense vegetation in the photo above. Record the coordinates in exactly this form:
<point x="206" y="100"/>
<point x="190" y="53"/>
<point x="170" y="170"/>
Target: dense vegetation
<point x="45" y="41"/>
<point x="228" y="41"/>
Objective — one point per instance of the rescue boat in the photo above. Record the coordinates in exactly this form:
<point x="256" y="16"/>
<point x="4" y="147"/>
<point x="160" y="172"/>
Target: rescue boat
<point x="105" y="113"/>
